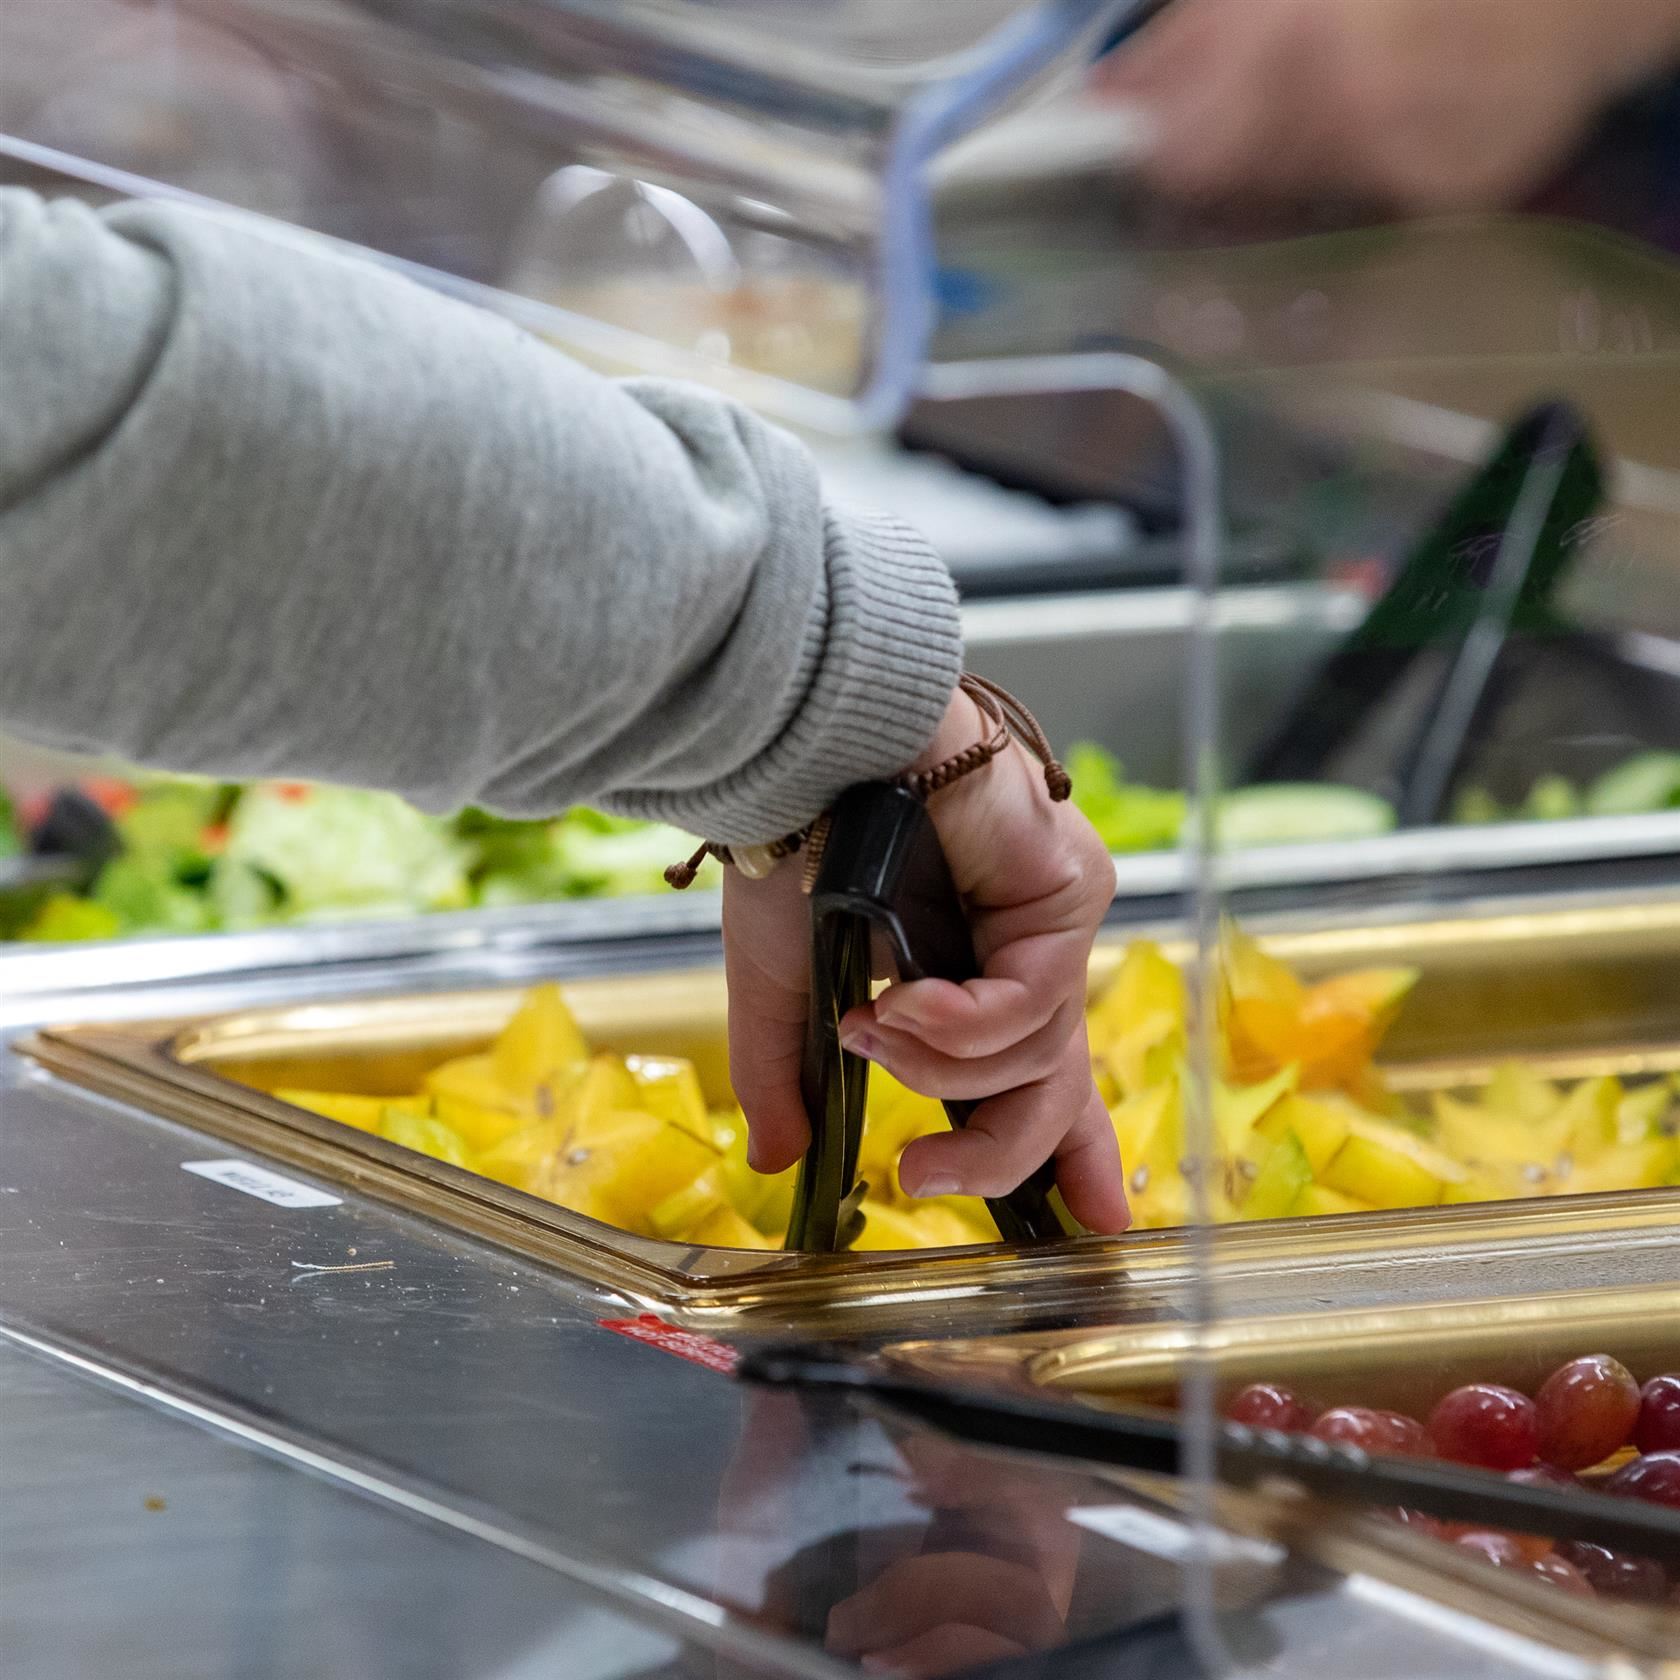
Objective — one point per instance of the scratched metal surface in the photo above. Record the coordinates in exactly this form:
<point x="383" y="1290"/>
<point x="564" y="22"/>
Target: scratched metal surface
<point x="445" y="1379"/>
<point x="133" y="1544"/>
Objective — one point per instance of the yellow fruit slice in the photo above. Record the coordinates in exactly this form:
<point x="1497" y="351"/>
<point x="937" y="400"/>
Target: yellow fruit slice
<point x="481" y="1127"/>
<point x="1159" y="1199"/>
<point x="606" y="1091"/>
<point x="364" y="1113"/>
<point x="1284" y="1174"/>
<point x="540" y="1042"/>
<point x="1519" y="1090"/>
<point x="630" y="1165"/>
<point x="586" y="1176"/>
<point x="466" y="1095"/>
<point x="517" y="1157"/>
<point x="684" y="1209"/>
<point x="472" y="1079"/>
<point x="1320" y="1123"/>
<point x="1588" y="1117"/>
<point x="1642" y="1111"/>
<point x="1389" y="1167"/>
<point x="1500" y="1183"/>
<point x="1479" y="1135"/>
<point x="896" y="1117"/>
<point x="1148" y="1128"/>
<point x="725" y="1228"/>
<point x="421" y="1132"/>
<point x="1238" y="1109"/>
<point x="1136" y="1028"/>
<point x="669" y="1087"/>
<point x="1316" y="1199"/>
<point x="1145" y="986"/>
<point x="1624" y="1166"/>
<point x="887" y="1227"/>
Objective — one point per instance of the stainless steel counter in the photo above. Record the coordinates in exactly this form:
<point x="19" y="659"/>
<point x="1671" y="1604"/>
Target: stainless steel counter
<point x="133" y="1543"/>
<point x="385" y="1448"/>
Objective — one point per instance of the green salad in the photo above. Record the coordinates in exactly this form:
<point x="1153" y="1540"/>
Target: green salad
<point x="1647" y="782"/>
<point x="202" y="857"/>
<point x="1132" y="818"/>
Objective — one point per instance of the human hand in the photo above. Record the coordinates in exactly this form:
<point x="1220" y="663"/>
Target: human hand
<point x="1037" y="882"/>
<point x="1418" y="104"/>
<point x="991" y="1579"/>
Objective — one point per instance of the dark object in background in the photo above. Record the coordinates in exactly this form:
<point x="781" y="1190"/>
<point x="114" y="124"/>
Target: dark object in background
<point x="1065" y="446"/>
<point x="76" y="828"/>
<point x="1400" y="702"/>
<point x="68" y="848"/>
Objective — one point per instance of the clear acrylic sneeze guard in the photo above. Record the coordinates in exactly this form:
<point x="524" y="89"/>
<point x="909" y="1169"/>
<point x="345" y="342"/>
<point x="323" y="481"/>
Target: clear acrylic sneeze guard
<point x="731" y="192"/>
<point x="736" y="192"/>
<point x="1505" y="675"/>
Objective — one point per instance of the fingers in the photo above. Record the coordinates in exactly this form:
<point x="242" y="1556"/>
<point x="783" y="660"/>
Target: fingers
<point x="912" y="1063"/>
<point x="1037" y="959"/>
<point x="939" y="1588"/>
<point x="956" y="1648"/>
<point x="1089" y="1172"/>
<point x="766" y="960"/>
<point x="1011" y="1134"/>
<point x="980" y="1018"/>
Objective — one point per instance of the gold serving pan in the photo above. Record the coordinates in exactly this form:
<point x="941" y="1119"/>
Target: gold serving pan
<point x="1404" y="1357"/>
<point x="1578" y="991"/>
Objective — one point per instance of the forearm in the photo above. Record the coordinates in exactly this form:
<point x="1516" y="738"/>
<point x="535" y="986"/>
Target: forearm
<point x="263" y="511"/>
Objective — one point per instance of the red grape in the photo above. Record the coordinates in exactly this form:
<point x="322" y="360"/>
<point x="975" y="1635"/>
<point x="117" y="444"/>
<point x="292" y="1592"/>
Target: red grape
<point x="1352" y="1426"/>
<point x="1376" y="1432"/>
<point x="1616" y="1574"/>
<point x="1406" y="1436"/>
<point x="1587" y="1411"/>
<point x="1484" y="1424"/>
<point x="1267" y="1406"/>
<point x="1501" y="1550"/>
<point x="1655" y="1477"/>
<point x="1560" y="1572"/>
<point x="1659" y="1415"/>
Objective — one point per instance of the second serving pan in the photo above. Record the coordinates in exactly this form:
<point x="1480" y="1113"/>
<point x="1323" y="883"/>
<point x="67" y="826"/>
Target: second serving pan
<point x="1404" y="1357"/>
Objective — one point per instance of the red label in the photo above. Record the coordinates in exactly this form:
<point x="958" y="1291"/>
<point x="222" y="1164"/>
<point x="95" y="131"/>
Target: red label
<point x="668" y="1338"/>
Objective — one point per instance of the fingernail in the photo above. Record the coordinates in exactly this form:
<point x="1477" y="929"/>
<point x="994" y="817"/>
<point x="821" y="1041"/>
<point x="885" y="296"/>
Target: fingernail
<point x="862" y="1044"/>
<point x="941" y="1184"/>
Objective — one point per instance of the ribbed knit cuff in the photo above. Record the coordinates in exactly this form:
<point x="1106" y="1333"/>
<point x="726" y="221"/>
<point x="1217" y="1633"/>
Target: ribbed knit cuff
<point x="881" y="655"/>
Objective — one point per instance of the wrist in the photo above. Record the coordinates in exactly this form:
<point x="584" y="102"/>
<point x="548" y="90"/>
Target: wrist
<point x="959" y="726"/>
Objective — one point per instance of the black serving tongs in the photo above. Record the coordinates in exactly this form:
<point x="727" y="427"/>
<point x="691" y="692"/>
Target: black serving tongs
<point x="1153" y="1443"/>
<point x="1483" y="573"/>
<point x="882" y="883"/>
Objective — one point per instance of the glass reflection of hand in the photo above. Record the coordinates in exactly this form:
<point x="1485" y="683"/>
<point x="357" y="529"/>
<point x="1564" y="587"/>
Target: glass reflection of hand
<point x="1418" y="104"/>
<point x="993" y="1576"/>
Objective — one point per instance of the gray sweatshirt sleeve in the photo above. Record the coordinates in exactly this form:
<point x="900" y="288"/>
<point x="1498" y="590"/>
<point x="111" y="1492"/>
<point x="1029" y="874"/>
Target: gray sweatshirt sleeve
<point x="265" y="510"/>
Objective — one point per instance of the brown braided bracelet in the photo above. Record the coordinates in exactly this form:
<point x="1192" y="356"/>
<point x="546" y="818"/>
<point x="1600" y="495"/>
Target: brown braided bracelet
<point x="1006" y="719"/>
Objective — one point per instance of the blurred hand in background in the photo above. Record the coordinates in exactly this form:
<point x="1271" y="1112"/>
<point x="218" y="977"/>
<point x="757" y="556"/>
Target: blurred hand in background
<point x="1421" y="105"/>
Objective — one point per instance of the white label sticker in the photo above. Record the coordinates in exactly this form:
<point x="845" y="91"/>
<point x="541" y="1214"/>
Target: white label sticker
<point x="259" y="1181"/>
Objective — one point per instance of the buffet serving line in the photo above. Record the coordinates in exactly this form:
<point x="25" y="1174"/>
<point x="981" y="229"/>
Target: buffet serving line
<point x="383" y="1284"/>
<point x="465" y="1427"/>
